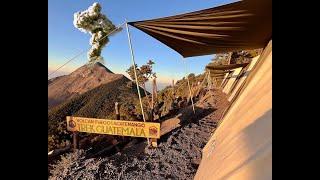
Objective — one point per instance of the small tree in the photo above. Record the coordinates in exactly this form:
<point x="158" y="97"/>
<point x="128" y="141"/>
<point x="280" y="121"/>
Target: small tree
<point x="244" y="56"/>
<point x="220" y="59"/>
<point x="144" y="73"/>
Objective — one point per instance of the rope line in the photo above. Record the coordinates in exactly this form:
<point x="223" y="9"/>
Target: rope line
<point x="74" y="57"/>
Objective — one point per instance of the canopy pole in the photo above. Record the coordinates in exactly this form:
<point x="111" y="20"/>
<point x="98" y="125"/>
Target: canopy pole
<point x="135" y="73"/>
<point x="205" y="78"/>
<point x="209" y="80"/>
<point x="229" y="57"/>
<point x="190" y="93"/>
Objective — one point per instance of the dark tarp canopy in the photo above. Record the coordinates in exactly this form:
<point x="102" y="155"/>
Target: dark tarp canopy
<point x="226" y="67"/>
<point x="236" y="26"/>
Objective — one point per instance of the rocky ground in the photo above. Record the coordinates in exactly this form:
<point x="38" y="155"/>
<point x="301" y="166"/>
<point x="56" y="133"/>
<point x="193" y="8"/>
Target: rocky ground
<point x="177" y="156"/>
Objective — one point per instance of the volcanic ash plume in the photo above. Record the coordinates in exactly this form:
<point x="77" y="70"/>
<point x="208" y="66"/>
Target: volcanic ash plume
<point x="98" y="25"/>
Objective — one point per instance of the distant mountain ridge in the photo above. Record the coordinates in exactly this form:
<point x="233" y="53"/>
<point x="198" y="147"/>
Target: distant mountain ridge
<point x="81" y="80"/>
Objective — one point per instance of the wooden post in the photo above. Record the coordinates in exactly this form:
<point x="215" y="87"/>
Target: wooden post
<point x="154" y="94"/>
<point x="152" y="101"/>
<point x="75" y="140"/>
<point x="173" y="93"/>
<point x="75" y="135"/>
<point x="116" y="106"/>
<point x="229" y="57"/>
<point x="154" y="97"/>
<point x="155" y="88"/>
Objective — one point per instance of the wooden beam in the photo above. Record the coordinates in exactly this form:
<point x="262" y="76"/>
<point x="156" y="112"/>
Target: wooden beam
<point x="226" y="67"/>
<point x="218" y="71"/>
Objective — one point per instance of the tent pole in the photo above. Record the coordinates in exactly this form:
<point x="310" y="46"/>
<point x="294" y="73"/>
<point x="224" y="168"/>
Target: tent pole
<point x="209" y="80"/>
<point x="229" y="57"/>
<point x="190" y="93"/>
<point x="199" y="88"/>
<point x="135" y="73"/>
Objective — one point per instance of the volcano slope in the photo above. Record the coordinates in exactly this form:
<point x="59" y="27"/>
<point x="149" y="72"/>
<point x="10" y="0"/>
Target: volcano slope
<point x="96" y="103"/>
<point x="83" y="79"/>
<point x="177" y="156"/>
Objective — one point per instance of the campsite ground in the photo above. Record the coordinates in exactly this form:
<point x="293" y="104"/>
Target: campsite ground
<point x="177" y="156"/>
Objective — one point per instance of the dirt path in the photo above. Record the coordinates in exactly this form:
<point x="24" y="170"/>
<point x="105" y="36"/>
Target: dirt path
<point x="177" y="157"/>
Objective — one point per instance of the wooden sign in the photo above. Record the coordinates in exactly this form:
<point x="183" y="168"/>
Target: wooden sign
<point x="114" y="127"/>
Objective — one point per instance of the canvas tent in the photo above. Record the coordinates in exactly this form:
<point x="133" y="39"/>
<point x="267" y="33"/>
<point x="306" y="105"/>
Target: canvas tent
<point x="236" y="26"/>
<point x="241" y="146"/>
<point x="242" y="78"/>
<point x="220" y="72"/>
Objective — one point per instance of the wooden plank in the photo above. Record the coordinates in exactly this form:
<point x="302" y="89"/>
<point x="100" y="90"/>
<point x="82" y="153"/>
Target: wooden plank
<point x="237" y="80"/>
<point x="217" y="75"/>
<point x="226" y="79"/>
<point x="232" y="80"/>
<point x="226" y="67"/>
<point x="243" y="78"/>
<point x="221" y="80"/>
<point x="169" y="125"/>
<point x="182" y="116"/>
<point x="218" y="71"/>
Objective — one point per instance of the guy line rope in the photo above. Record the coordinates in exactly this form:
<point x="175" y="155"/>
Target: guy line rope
<point x="74" y="57"/>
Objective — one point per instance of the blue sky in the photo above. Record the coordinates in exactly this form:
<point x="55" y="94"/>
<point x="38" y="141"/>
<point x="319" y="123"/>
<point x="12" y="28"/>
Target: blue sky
<point x="65" y="41"/>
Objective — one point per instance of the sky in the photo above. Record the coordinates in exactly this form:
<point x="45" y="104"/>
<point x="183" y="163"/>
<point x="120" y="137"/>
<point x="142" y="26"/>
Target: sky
<point x="66" y="41"/>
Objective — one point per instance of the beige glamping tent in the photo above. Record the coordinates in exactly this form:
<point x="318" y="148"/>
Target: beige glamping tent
<point x="241" y="146"/>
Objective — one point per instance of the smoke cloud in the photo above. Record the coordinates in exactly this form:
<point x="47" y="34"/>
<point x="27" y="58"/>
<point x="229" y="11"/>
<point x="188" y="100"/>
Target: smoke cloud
<point x="98" y="25"/>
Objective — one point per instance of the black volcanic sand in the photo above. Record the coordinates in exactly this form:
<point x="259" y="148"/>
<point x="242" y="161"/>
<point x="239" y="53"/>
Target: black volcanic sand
<point x="177" y="156"/>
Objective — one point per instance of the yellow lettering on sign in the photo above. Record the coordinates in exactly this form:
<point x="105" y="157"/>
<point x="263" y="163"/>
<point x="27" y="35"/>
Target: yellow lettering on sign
<point x="114" y="127"/>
